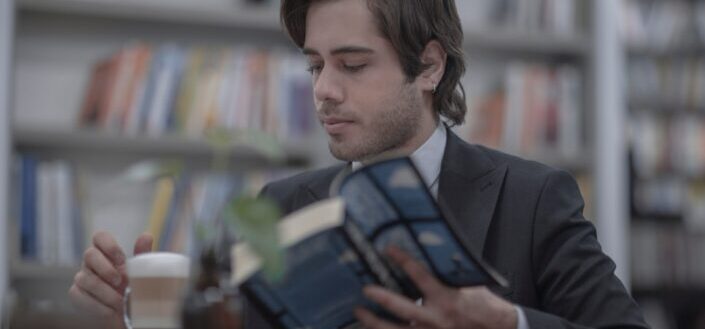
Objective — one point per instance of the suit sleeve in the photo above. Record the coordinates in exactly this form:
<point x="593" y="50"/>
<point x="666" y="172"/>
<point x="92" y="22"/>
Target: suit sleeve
<point x="574" y="278"/>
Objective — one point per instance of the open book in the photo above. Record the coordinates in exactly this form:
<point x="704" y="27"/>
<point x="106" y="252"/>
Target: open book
<point x="335" y="247"/>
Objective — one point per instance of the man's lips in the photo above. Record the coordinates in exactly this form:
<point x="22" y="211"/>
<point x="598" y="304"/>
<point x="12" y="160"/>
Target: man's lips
<point x="336" y="125"/>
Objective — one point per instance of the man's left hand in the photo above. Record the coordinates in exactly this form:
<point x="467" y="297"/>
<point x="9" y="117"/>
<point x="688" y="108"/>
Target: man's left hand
<point x="443" y="307"/>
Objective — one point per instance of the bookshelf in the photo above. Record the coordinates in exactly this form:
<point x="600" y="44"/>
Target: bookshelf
<point x="664" y="46"/>
<point x="56" y="45"/>
<point x="58" y="41"/>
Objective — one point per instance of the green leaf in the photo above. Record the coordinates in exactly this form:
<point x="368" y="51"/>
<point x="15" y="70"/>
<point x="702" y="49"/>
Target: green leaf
<point x="255" y="221"/>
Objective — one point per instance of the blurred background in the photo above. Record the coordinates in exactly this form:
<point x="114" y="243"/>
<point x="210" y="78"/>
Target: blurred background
<point x="99" y="96"/>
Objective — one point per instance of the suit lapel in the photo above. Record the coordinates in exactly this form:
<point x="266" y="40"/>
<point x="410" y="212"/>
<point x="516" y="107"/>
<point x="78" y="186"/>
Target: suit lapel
<point x="469" y="187"/>
<point x="320" y="187"/>
<point x="470" y="184"/>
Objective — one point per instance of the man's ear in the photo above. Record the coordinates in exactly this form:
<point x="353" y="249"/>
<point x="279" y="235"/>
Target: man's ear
<point x="434" y="58"/>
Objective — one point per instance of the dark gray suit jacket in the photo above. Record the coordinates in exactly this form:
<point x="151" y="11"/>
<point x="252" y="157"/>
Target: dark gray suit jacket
<point x="526" y="220"/>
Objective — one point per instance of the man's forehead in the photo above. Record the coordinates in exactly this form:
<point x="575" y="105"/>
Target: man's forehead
<point x="340" y="26"/>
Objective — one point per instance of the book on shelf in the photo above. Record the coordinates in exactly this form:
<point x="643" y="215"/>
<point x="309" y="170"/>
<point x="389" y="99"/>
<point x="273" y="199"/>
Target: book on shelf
<point x="57" y="206"/>
<point x="670" y="198"/>
<point x="672" y="145"/>
<point x="662" y="24"/>
<point x="526" y="109"/>
<point x="154" y="90"/>
<point x="561" y="17"/>
<point x="183" y="203"/>
<point x="50" y="215"/>
<point x="344" y="239"/>
<point x="668" y="84"/>
<point x="668" y="257"/>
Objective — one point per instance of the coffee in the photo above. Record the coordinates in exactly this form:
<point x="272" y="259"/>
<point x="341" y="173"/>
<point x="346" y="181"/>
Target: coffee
<point x="158" y="282"/>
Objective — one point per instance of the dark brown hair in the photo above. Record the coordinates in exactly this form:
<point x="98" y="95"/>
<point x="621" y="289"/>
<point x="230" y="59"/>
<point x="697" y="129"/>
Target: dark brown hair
<point x="409" y="25"/>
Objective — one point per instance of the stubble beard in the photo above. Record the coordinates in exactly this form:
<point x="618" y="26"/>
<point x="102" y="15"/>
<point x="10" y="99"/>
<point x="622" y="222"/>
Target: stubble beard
<point x="397" y="121"/>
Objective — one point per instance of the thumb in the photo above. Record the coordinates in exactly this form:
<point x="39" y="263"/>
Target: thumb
<point x="143" y="243"/>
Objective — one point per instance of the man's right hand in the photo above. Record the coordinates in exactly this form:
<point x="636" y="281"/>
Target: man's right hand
<point x="99" y="286"/>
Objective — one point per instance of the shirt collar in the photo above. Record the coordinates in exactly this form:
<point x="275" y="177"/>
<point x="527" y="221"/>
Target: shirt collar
<point x="428" y="157"/>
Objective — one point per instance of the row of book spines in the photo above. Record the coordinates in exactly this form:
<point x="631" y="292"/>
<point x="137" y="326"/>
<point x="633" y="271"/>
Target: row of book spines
<point x="678" y="81"/>
<point x="50" y="216"/>
<point x="142" y="90"/>
<point x="676" y="145"/>
<point x="537" y="110"/>
<point x="185" y="203"/>
<point x="667" y="257"/>
<point x="671" y="198"/>
<point x="564" y="16"/>
<point x="662" y="22"/>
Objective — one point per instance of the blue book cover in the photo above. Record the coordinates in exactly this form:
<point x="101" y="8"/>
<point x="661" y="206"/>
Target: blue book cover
<point x="336" y="246"/>
<point x="28" y="208"/>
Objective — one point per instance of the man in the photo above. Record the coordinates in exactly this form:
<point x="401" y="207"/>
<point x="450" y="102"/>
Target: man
<point x="384" y="73"/>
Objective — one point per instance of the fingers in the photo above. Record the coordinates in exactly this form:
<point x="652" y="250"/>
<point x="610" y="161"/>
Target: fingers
<point x="370" y="321"/>
<point x="109" y="247"/>
<point x="96" y="262"/>
<point x="143" y="244"/>
<point x="428" y="285"/>
<point x="89" y="304"/>
<point x="102" y="293"/>
<point x="401" y="306"/>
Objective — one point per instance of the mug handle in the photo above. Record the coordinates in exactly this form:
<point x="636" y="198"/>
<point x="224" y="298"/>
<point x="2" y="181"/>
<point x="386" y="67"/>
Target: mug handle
<point x="126" y="309"/>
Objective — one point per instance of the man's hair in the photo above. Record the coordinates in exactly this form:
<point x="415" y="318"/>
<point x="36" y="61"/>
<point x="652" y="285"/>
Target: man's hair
<point x="409" y="25"/>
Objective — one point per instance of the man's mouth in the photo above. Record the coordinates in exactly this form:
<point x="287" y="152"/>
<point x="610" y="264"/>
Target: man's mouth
<point x="336" y="125"/>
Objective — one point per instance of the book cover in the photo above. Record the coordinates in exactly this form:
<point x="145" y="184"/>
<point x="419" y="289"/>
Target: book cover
<point x="28" y="207"/>
<point x="130" y="120"/>
<point x="160" y="207"/>
<point x="169" y="65"/>
<point x="336" y="246"/>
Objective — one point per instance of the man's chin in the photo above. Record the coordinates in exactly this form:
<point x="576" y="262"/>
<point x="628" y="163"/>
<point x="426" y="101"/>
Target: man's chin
<point x="345" y="152"/>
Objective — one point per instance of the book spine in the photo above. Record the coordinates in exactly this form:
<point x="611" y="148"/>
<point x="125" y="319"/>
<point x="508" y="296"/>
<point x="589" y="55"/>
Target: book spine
<point x="138" y="91"/>
<point x="170" y="223"/>
<point x="160" y="207"/>
<point x="28" y="212"/>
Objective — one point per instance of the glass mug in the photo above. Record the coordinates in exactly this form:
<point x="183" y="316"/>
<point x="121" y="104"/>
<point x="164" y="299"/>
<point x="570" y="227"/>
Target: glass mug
<point x="158" y="282"/>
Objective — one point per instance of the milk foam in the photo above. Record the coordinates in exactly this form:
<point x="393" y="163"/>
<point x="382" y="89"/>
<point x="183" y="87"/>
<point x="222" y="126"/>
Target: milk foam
<point x="158" y="264"/>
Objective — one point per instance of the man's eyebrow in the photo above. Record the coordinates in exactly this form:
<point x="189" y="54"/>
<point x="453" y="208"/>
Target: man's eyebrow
<point x="341" y="50"/>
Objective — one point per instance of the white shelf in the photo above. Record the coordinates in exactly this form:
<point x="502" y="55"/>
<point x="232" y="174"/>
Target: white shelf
<point x="546" y="44"/>
<point x="226" y="13"/>
<point x="110" y="145"/>
<point x="22" y="270"/>
<point x="665" y="107"/>
<point x="691" y="49"/>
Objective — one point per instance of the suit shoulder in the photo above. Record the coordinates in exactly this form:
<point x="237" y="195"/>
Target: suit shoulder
<point x="520" y="168"/>
<point x="284" y="191"/>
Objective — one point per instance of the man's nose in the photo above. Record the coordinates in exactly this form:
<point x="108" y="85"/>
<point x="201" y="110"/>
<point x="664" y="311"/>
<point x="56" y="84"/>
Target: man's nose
<point x="327" y="87"/>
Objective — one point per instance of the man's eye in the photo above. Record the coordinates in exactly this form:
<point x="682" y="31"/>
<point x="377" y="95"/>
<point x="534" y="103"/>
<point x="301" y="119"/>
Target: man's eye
<point x="354" y="68"/>
<point x="314" y="68"/>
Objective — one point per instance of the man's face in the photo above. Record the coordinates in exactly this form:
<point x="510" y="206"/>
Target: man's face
<point x="362" y="97"/>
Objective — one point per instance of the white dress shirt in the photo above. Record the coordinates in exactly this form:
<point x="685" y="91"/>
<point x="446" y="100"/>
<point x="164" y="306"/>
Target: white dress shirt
<point x="428" y="159"/>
